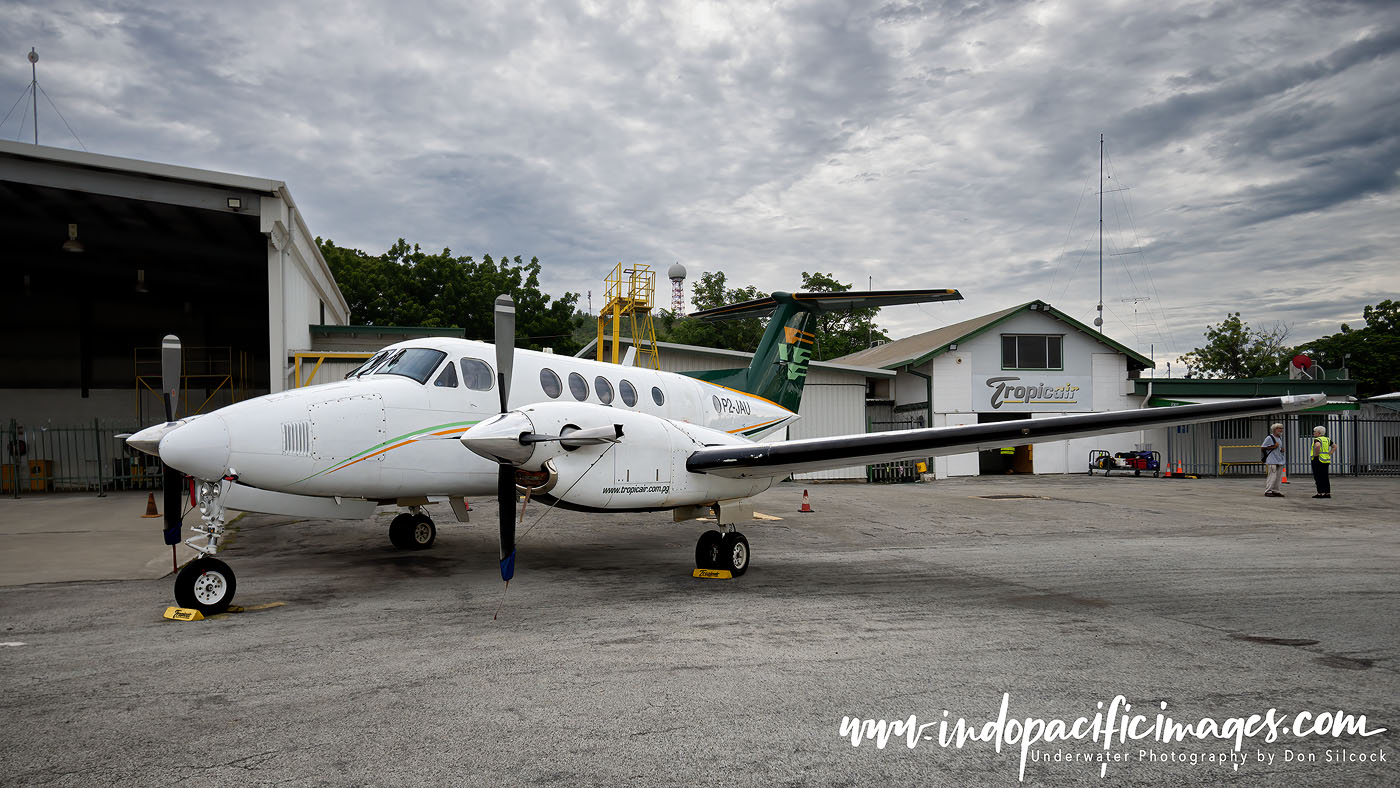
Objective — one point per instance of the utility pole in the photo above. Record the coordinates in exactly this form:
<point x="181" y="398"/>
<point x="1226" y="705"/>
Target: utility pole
<point x="1098" y="321"/>
<point x="34" y="89"/>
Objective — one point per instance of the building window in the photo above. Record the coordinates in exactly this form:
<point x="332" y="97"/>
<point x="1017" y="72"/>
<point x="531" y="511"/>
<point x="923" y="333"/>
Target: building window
<point x="549" y="381"/>
<point x="1032" y="351"/>
<point x="1230" y="429"/>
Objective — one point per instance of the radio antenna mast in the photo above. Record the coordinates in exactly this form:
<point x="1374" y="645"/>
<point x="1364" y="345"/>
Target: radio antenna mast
<point x="34" y="89"/>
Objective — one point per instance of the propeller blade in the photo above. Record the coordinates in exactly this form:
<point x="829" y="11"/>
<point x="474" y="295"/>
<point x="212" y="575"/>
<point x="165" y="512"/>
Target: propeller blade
<point x="505" y="496"/>
<point x="505" y="346"/>
<point x="172" y="484"/>
<point x="169" y="373"/>
<point x="171" y="480"/>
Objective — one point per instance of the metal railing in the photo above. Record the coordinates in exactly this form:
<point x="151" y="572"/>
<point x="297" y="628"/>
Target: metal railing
<point x="73" y="459"/>
<point x="1360" y="446"/>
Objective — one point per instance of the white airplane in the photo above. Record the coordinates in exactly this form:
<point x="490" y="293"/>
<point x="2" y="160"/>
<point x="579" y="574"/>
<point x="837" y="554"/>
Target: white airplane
<point x="454" y="418"/>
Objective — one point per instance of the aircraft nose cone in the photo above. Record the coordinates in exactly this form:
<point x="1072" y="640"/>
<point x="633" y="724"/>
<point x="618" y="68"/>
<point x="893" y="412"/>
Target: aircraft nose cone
<point x="199" y="448"/>
<point x="498" y="438"/>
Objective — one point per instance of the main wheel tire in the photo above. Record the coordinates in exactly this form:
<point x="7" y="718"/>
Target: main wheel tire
<point x="707" y="550"/>
<point x="401" y="531"/>
<point x="205" y="584"/>
<point x="412" y="531"/>
<point x="734" y="553"/>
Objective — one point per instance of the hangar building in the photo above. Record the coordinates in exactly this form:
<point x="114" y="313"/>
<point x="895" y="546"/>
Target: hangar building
<point x="107" y="255"/>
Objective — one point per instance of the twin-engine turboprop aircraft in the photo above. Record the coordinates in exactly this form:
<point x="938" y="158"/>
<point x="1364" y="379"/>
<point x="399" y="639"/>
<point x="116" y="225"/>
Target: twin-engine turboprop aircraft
<point x="455" y="418"/>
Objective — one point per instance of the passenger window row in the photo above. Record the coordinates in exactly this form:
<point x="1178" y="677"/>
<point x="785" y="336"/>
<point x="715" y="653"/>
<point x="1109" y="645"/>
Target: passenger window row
<point x="477" y="376"/>
<point x="578" y="387"/>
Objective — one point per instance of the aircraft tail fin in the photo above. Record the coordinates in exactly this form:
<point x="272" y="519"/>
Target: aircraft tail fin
<point x="779" y="367"/>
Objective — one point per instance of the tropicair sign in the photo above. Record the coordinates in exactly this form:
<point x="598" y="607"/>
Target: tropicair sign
<point x="1021" y="394"/>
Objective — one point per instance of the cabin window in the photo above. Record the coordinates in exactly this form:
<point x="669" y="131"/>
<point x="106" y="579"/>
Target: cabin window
<point x="367" y="366"/>
<point x="415" y="362"/>
<point x="629" y="394"/>
<point x="476" y="374"/>
<point x="657" y="396"/>
<point x="549" y="381"/>
<point x="604" y="389"/>
<point x="447" y="379"/>
<point x="578" y="386"/>
<point x="1032" y="351"/>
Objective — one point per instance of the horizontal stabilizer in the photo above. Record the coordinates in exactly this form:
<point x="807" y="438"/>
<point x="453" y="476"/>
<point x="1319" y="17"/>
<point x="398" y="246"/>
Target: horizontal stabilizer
<point x="827" y="302"/>
<point x="814" y="454"/>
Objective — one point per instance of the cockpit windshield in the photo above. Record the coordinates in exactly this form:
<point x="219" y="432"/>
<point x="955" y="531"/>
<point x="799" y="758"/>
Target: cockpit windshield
<point x="363" y="369"/>
<point x="414" y="362"/>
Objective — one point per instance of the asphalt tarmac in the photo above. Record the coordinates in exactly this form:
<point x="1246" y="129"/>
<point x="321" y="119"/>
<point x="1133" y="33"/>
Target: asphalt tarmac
<point x="605" y="662"/>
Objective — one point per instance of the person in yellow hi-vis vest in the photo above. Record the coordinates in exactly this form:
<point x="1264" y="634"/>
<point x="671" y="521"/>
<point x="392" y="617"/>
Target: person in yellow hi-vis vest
<point x="1321" y="461"/>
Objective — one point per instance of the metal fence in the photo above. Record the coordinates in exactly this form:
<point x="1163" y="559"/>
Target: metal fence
<point x="1361" y="447"/>
<point x="72" y="458"/>
<point x="904" y="470"/>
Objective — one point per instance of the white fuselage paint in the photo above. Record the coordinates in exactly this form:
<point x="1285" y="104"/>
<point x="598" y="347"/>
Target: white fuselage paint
<point x="385" y="436"/>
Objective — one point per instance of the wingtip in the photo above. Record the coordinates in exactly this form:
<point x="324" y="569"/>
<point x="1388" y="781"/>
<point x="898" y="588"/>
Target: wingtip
<point x="1303" y="401"/>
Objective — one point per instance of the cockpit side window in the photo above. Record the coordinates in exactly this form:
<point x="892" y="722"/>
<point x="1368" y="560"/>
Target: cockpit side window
<point x="415" y="362"/>
<point x="477" y="375"/>
<point x="448" y="377"/>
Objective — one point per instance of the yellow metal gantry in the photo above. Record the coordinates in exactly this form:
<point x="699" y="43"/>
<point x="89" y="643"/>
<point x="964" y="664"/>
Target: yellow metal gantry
<point x="629" y="292"/>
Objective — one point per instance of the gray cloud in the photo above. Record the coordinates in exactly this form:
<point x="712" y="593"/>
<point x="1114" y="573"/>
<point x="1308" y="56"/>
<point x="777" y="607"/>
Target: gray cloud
<point x="1252" y="148"/>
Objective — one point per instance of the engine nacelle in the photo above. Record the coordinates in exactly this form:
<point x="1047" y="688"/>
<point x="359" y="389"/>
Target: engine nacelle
<point x="644" y="470"/>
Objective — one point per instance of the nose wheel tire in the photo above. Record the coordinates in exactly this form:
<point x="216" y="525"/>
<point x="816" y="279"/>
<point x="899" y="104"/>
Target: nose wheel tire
<point x="707" y="550"/>
<point x="412" y="532"/>
<point x="734" y="553"/>
<point x="205" y="584"/>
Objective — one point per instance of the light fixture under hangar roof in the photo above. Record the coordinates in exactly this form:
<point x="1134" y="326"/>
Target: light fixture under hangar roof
<point x="73" y="244"/>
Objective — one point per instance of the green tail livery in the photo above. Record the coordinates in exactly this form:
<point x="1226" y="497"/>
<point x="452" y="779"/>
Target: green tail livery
<point x="779" y="368"/>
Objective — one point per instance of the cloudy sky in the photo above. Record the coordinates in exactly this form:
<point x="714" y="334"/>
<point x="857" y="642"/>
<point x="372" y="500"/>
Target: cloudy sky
<point x="1253" y="147"/>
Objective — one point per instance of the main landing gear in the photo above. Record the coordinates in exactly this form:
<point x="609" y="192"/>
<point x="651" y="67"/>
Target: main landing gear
<point x="412" y="530"/>
<point x="717" y="550"/>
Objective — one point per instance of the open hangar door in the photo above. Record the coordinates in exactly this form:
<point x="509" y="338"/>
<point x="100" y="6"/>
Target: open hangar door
<point x="79" y="301"/>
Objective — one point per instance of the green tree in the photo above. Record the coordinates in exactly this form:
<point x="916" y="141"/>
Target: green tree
<point x="710" y="292"/>
<point x="406" y="286"/>
<point x="1373" y="350"/>
<point x="838" y="333"/>
<point x="1234" y="350"/>
<point x="841" y="333"/>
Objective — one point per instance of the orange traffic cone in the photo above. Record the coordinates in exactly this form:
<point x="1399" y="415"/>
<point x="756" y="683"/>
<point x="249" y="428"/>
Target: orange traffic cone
<point x="1285" y="475"/>
<point x="1179" y="471"/>
<point x="806" y="507"/>
<point x="151" y="506"/>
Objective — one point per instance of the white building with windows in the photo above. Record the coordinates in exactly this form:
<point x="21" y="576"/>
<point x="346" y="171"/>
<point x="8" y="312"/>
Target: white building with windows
<point x="1030" y="361"/>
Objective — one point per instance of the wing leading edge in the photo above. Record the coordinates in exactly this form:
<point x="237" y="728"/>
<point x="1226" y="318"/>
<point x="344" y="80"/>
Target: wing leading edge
<point x="814" y="454"/>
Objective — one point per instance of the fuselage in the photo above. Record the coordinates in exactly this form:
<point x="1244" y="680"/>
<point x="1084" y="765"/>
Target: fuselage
<point x="391" y="430"/>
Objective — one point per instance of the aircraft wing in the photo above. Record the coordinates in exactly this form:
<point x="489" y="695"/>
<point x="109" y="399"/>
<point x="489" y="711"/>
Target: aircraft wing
<point x="814" y="454"/>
